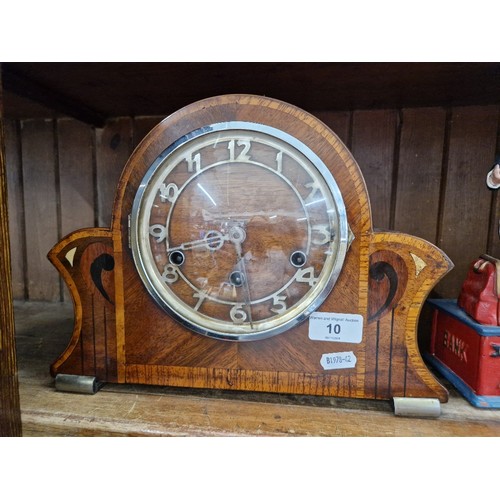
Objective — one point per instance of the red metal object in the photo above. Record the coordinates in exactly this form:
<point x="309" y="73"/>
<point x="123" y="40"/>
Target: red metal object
<point x="480" y="293"/>
<point x="466" y="352"/>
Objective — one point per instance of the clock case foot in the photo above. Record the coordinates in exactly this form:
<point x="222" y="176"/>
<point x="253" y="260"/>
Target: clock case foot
<point x="81" y="384"/>
<point x="417" y="407"/>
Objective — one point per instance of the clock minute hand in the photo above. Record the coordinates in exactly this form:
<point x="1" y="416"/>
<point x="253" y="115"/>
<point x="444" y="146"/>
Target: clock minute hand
<point x="237" y="236"/>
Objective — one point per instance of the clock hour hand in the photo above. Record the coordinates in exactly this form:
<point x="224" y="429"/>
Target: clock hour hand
<point x="213" y="240"/>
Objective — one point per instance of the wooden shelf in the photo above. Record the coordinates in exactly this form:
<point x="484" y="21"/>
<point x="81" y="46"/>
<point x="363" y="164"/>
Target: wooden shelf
<point x="43" y="330"/>
<point x="95" y="92"/>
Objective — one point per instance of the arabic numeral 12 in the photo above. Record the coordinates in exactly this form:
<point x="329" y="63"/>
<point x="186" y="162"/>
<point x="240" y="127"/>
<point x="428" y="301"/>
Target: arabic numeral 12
<point x="333" y="328"/>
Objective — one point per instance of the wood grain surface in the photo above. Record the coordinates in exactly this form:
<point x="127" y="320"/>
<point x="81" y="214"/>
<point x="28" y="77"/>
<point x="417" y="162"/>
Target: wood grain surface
<point x="16" y="207"/>
<point x="420" y="162"/>
<point x="10" y="420"/>
<point x="41" y="205"/>
<point x="373" y="146"/>
<point x="113" y="147"/>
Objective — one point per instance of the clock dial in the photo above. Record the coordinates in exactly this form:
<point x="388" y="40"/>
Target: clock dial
<point x="239" y="231"/>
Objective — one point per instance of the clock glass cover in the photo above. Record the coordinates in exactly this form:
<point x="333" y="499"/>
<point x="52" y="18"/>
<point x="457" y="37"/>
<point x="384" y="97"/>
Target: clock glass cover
<point x="239" y="231"/>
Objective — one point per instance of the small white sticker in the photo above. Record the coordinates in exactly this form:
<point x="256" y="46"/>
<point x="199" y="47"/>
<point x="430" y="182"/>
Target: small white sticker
<point x="334" y="327"/>
<point x="338" y="360"/>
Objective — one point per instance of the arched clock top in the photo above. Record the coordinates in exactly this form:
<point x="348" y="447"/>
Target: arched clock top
<point x="299" y="124"/>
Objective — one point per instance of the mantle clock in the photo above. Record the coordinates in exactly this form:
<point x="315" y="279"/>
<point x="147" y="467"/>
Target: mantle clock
<point x="241" y="256"/>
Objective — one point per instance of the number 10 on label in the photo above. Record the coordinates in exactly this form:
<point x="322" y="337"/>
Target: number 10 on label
<point x="334" y="327"/>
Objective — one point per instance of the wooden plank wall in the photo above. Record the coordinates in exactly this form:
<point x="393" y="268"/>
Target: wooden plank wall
<point x="425" y="169"/>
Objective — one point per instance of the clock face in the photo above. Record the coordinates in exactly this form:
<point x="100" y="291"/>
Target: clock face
<point x="239" y="231"/>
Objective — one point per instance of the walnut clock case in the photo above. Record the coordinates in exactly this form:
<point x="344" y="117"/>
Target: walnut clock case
<point x="241" y="256"/>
